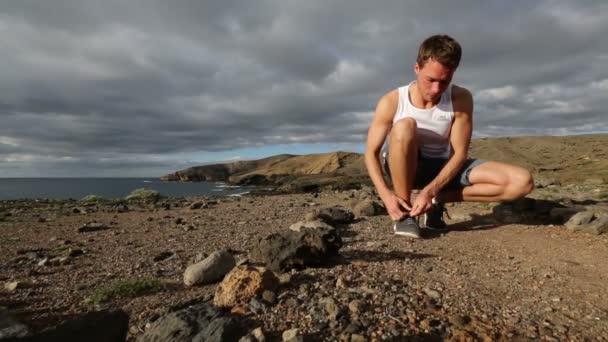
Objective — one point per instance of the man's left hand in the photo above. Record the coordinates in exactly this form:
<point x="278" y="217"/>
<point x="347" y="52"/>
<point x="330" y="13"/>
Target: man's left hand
<point x="422" y="204"/>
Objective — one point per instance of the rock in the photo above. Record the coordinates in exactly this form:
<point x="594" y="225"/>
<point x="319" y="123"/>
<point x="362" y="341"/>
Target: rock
<point x="10" y="327"/>
<point x="163" y="256"/>
<point x="269" y="296"/>
<point x="92" y="227"/>
<point x="562" y="215"/>
<point x="256" y="335"/>
<point x="144" y="195"/>
<point x="368" y="208"/>
<point x="286" y="250"/>
<point x="332" y="309"/>
<point x="524" y="210"/>
<point x="579" y="219"/>
<point x="243" y="283"/>
<point x="597" y="226"/>
<point x="200" y="322"/>
<point x="211" y="269"/>
<point x="543" y="182"/>
<point x="13" y="286"/>
<point x="335" y="215"/>
<point x="432" y="293"/>
<point x="98" y="326"/>
<point x="291" y="335"/>
<point x="355" y="306"/>
<point x="357" y="338"/>
<point x="198" y="205"/>
<point x="317" y="224"/>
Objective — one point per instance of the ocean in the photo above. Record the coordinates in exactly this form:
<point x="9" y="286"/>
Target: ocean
<point x="110" y="188"/>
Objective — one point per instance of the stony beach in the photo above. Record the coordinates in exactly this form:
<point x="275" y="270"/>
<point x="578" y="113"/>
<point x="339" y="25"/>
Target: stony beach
<point x="532" y="269"/>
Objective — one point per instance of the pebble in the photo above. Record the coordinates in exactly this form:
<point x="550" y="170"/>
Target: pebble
<point x="291" y="335"/>
<point x="432" y="293"/>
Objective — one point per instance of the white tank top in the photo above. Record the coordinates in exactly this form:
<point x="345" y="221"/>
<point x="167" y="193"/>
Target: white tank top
<point x="433" y="124"/>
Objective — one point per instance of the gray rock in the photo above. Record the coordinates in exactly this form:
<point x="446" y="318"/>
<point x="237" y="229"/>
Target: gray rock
<point x="335" y="215"/>
<point x="197" y="205"/>
<point x="211" y="269"/>
<point x="10" y="327"/>
<point x="200" y="322"/>
<point x="287" y="250"/>
<point x="562" y="215"/>
<point x="368" y="208"/>
<point x="317" y="224"/>
<point x="543" y="182"/>
<point x="597" y="226"/>
<point x="99" y="326"/>
<point x="92" y="227"/>
<point x="579" y="219"/>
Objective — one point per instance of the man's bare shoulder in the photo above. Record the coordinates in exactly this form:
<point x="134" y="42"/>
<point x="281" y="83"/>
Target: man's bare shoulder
<point x="390" y="99"/>
<point x="387" y="105"/>
<point x="462" y="99"/>
<point x="459" y="93"/>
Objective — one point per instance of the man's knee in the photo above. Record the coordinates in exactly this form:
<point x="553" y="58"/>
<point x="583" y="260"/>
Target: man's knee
<point x="403" y="131"/>
<point x="520" y="184"/>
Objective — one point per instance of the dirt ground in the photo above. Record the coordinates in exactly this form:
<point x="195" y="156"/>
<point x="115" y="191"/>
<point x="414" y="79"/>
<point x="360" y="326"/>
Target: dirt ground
<point x="511" y="280"/>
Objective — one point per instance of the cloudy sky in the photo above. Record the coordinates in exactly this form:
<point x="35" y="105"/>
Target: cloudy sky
<point x="143" y="88"/>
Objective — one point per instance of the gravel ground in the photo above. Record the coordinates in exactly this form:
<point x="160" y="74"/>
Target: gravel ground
<point x="481" y="280"/>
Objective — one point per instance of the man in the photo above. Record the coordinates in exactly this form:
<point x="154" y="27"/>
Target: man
<point x="427" y="127"/>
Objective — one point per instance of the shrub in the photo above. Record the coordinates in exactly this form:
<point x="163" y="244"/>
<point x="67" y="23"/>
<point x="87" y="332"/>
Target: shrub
<point x="91" y="198"/>
<point x="142" y="194"/>
<point x="126" y="289"/>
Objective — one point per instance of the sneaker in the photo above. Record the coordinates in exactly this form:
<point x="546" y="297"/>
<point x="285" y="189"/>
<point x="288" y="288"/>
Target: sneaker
<point x="433" y="219"/>
<point x="407" y="227"/>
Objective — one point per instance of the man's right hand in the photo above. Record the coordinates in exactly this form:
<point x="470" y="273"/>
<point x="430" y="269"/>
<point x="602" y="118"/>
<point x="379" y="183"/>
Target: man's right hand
<point x="396" y="206"/>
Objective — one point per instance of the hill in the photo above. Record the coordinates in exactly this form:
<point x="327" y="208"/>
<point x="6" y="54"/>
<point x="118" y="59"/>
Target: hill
<point x="561" y="158"/>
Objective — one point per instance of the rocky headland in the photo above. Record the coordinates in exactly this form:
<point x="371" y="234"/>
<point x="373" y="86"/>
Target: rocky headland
<point x="316" y="265"/>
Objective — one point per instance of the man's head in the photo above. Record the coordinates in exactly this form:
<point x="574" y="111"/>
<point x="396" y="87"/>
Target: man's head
<point x="438" y="58"/>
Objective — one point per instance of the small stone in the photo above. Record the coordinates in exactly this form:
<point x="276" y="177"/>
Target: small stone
<point x="355" y="306"/>
<point x="432" y="293"/>
<point x="258" y="334"/>
<point x="92" y="227"/>
<point x="13" y="286"/>
<point x="291" y="335"/>
<point x="357" y="338"/>
<point x="269" y="296"/>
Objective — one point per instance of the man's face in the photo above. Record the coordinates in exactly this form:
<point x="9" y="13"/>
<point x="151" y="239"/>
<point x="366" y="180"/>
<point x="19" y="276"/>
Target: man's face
<point x="433" y="79"/>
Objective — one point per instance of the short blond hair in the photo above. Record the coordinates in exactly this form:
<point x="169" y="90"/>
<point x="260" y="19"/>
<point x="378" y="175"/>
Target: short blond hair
<point x="441" y="48"/>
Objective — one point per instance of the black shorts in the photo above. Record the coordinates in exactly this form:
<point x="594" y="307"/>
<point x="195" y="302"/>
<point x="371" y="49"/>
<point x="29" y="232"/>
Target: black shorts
<point x="429" y="168"/>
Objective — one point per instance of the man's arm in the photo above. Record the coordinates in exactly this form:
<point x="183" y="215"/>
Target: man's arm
<point x="378" y="131"/>
<point x="460" y="138"/>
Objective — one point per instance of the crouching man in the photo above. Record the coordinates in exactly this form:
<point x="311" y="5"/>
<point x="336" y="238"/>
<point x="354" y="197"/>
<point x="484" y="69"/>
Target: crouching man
<point x="425" y="128"/>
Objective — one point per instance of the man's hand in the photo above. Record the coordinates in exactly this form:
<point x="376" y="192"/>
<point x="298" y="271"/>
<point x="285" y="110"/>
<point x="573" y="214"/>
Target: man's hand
<point x="422" y="203"/>
<point x="396" y="206"/>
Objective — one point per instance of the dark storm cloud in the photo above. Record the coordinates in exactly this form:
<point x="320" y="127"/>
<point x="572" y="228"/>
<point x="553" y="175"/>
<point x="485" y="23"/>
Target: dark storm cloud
<point x="89" y="87"/>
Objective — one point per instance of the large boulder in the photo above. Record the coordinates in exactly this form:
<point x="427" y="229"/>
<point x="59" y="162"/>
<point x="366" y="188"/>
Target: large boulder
<point x="200" y="322"/>
<point x="334" y="215"/>
<point x="98" y="326"/>
<point x="317" y="224"/>
<point x="289" y="249"/>
<point x="10" y="327"/>
<point x="244" y="283"/>
<point x="211" y="269"/>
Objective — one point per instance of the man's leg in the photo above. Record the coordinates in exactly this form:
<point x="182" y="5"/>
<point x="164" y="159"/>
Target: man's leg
<point x="493" y="182"/>
<point x="402" y="163"/>
<point x="403" y="157"/>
